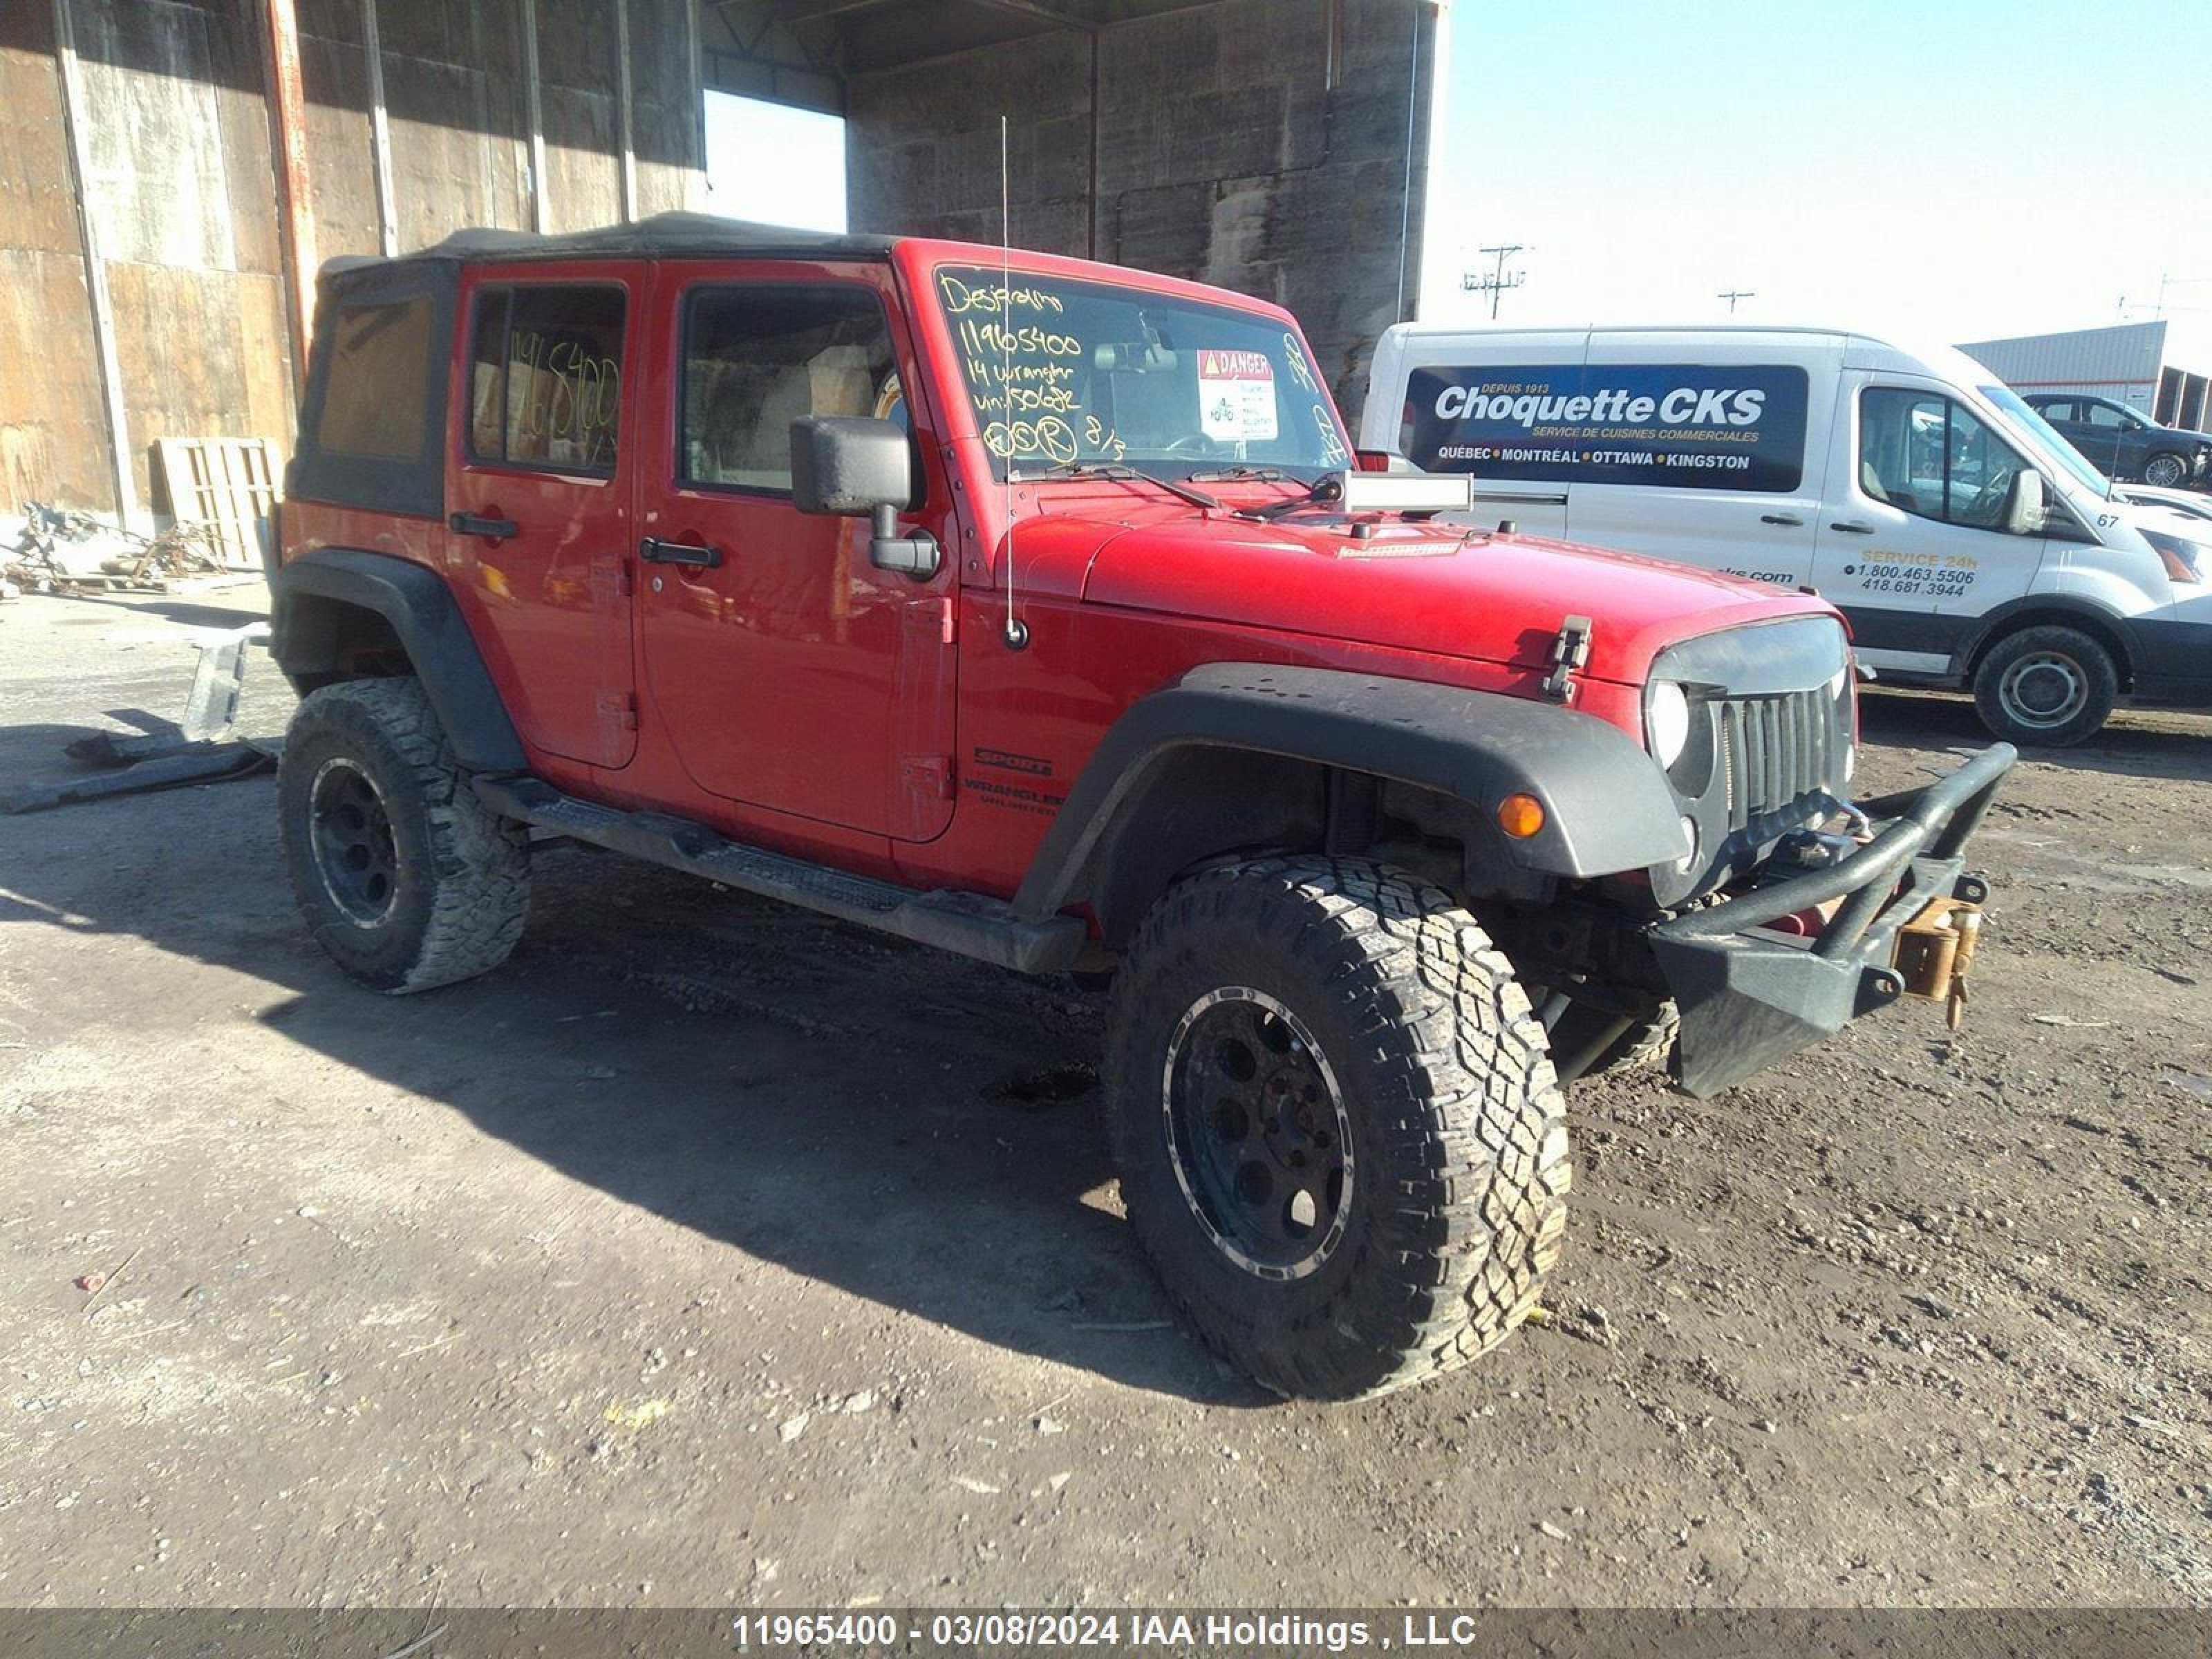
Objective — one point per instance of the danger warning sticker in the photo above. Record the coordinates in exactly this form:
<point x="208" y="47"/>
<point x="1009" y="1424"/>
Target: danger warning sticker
<point x="1235" y="395"/>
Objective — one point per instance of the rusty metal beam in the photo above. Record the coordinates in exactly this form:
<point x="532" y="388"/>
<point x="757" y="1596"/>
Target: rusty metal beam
<point x="695" y="184"/>
<point x="95" y="268"/>
<point x="1061" y="16"/>
<point x="787" y="12"/>
<point x="287" y="126"/>
<point x="534" y="101"/>
<point x="380" y="134"/>
<point x="624" y="113"/>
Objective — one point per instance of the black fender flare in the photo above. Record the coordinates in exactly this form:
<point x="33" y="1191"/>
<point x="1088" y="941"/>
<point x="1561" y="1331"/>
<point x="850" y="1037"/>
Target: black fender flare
<point x="307" y="601"/>
<point x="1608" y="808"/>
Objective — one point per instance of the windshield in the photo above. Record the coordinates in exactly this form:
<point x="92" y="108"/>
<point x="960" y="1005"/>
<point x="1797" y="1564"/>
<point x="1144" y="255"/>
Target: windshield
<point x="2028" y="417"/>
<point x="1061" y="372"/>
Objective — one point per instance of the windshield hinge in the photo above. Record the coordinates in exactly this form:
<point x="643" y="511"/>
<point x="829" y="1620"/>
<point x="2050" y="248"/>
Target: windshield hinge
<point x="1570" y="649"/>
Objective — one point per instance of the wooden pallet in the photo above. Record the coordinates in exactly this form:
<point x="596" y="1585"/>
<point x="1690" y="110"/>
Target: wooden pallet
<point x="229" y="483"/>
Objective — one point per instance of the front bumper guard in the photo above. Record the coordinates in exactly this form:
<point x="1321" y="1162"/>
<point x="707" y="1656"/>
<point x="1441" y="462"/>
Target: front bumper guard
<point x="1749" y="996"/>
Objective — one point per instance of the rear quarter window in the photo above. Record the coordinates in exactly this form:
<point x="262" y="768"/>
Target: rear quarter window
<point x="374" y="401"/>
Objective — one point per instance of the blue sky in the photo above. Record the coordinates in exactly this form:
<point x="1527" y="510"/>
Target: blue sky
<point x="1950" y="169"/>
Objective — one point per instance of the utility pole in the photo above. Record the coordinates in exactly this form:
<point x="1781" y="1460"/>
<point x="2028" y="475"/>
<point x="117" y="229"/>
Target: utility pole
<point x="1497" y="281"/>
<point x="1733" y="294"/>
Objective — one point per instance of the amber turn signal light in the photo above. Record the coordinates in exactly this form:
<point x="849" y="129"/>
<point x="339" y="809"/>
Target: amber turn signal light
<point x="1520" y="816"/>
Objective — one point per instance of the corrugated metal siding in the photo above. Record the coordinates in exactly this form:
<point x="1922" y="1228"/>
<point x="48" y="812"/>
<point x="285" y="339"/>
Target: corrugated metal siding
<point x="2122" y="362"/>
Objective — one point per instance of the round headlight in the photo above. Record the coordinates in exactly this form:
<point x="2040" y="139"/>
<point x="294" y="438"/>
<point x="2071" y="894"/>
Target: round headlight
<point x="1667" y="721"/>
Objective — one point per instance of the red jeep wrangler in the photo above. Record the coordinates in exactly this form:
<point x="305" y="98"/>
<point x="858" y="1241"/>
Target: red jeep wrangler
<point x="1034" y="608"/>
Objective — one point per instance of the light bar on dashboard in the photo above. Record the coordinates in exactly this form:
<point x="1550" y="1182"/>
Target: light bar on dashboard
<point x="1408" y="492"/>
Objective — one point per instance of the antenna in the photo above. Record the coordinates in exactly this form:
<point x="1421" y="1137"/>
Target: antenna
<point x="1018" y="631"/>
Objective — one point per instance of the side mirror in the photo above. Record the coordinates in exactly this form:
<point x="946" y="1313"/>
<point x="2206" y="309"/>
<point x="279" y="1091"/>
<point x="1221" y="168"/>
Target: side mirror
<point x="848" y="467"/>
<point x="2026" y="509"/>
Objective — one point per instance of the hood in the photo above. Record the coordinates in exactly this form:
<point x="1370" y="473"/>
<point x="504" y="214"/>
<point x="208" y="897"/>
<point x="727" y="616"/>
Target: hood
<point x="1420" y="587"/>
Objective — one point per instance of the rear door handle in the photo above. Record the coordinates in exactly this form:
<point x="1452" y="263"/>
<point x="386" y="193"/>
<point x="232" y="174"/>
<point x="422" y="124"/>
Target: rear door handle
<point x="472" y="524"/>
<point x="1780" y="518"/>
<point x="1852" y="527"/>
<point x="653" y="551"/>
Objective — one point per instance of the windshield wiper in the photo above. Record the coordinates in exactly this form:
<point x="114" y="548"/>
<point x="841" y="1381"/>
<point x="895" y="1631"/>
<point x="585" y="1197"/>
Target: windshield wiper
<point x="1237" y="475"/>
<point x="1327" y="488"/>
<point x="1113" y="470"/>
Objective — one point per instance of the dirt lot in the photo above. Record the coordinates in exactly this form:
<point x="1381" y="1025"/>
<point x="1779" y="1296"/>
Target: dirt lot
<point x="710" y="1253"/>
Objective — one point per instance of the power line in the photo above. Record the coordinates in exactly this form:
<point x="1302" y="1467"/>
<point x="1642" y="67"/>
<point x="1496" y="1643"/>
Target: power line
<point x="1497" y="281"/>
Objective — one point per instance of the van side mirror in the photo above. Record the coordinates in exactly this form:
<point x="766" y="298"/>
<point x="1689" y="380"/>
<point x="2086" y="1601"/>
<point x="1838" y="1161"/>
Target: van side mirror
<point x="2026" y="509"/>
<point x="848" y="467"/>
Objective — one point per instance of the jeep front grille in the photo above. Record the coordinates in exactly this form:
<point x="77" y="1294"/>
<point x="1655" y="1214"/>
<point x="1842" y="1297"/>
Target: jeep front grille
<point x="1775" y="749"/>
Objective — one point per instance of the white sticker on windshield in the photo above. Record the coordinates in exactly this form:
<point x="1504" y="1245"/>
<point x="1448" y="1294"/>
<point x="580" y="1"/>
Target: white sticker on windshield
<point x="1235" y="395"/>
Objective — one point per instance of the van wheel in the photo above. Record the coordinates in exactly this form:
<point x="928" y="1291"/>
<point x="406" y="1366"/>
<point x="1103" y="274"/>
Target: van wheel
<point x="2166" y="470"/>
<point x="1338" y="1135"/>
<point x="404" y="876"/>
<point x="2048" y="685"/>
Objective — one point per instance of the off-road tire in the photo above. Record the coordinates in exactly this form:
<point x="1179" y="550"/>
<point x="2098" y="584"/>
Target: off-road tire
<point x="2001" y="688"/>
<point x="460" y="886"/>
<point x="1454" y="1205"/>
<point x="2166" y="470"/>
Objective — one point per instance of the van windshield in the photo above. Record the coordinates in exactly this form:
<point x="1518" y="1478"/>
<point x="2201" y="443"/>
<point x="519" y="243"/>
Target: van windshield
<point x="1062" y="373"/>
<point x="2026" y="416"/>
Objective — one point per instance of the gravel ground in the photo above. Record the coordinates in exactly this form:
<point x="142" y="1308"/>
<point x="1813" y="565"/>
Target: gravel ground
<point x="711" y="1253"/>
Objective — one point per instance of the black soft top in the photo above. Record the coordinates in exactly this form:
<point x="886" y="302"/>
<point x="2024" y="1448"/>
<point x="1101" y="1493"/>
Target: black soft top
<point x="406" y="474"/>
<point x="663" y="236"/>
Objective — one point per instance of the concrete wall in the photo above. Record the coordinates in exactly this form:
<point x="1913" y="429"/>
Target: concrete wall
<point x="1222" y="154"/>
<point x="182" y="192"/>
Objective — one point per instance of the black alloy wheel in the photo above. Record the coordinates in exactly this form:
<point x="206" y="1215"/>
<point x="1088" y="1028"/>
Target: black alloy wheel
<point x="350" y="833"/>
<point x="1257" y="1130"/>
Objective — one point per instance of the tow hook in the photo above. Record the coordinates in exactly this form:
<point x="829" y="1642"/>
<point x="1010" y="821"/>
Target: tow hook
<point x="1936" y="949"/>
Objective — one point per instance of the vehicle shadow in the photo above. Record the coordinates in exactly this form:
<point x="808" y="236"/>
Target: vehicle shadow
<point x="2155" y="745"/>
<point x="222" y="608"/>
<point x="915" y="1129"/>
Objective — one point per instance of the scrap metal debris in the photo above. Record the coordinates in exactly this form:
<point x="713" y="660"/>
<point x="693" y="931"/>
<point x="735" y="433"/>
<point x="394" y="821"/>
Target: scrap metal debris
<point x="201" y="751"/>
<point x="60" y="550"/>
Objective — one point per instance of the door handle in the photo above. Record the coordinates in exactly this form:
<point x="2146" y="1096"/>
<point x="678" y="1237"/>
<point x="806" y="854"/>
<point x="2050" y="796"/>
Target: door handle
<point x="1852" y="527"/>
<point x="1780" y="518"/>
<point x="472" y="524"/>
<point x="653" y="551"/>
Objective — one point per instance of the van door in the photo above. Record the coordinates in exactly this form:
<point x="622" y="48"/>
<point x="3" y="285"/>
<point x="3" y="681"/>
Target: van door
<point x="538" y="499"/>
<point x="1711" y="456"/>
<point x="790" y="673"/>
<point x="1912" y="545"/>
<point x="1465" y="405"/>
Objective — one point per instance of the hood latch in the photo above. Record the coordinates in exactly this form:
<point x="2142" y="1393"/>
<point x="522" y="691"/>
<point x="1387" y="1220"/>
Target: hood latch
<point x="1570" y="649"/>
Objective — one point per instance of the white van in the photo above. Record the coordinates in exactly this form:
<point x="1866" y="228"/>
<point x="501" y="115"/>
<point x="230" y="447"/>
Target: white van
<point x="1967" y="542"/>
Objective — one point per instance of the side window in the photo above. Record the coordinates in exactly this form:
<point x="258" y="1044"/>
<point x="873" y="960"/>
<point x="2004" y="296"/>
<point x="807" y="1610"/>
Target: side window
<point x="545" y="377"/>
<point x="1925" y="454"/>
<point x="2107" y="418"/>
<point x="2055" y="410"/>
<point x="757" y="358"/>
<point x="373" y="401"/>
